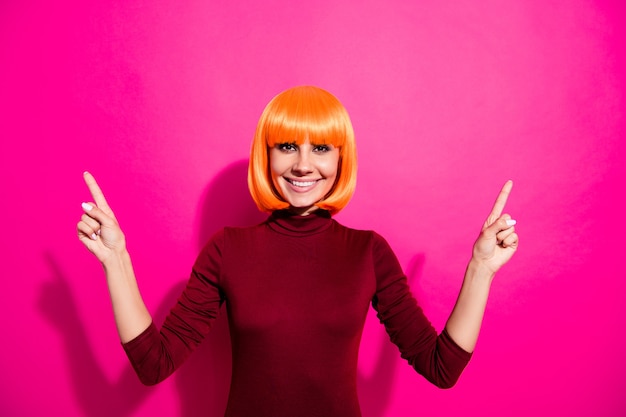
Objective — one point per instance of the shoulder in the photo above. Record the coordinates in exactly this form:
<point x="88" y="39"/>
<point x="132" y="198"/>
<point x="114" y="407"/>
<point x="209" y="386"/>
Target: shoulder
<point x="227" y="233"/>
<point x="369" y="233"/>
<point x="378" y="245"/>
<point x="223" y="243"/>
<point x="376" y="242"/>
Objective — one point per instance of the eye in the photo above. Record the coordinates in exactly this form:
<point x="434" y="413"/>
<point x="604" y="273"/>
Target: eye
<point x="322" y="148"/>
<point x="286" y="147"/>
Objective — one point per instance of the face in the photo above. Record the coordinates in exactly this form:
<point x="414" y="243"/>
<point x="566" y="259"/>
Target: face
<point x="303" y="174"/>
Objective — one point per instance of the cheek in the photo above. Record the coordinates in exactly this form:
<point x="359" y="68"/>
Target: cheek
<point x="276" y="164"/>
<point x="330" y="167"/>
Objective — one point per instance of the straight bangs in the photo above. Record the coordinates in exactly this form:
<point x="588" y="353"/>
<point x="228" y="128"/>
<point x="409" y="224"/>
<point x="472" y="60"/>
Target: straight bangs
<point x="293" y="116"/>
<point x="306" y="113"/>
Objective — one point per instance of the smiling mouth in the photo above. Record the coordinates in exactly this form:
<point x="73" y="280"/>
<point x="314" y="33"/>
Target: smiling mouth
<point x="301" y="183"/>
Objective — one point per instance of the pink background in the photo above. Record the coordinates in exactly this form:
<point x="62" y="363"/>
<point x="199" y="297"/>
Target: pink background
<point x="160" y="101"/>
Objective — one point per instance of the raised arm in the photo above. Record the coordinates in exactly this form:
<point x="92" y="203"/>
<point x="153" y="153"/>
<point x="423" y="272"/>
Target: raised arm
<point x="494" y="247"/>
<point x="100" y="232"/>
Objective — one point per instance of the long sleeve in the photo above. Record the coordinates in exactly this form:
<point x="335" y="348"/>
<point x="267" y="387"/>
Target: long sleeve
<point x="437" y="357"/>
<point x="155" y="353"/>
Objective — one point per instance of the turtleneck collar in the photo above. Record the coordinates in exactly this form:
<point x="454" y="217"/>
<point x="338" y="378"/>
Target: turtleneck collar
<point x="287" y="223"/>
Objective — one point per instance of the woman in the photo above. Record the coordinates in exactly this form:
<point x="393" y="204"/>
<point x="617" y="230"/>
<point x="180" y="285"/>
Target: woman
<point x="297" y="287"/>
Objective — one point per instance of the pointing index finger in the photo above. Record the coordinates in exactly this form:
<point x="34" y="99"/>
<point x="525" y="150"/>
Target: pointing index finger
<point x="96" y="192"/>
<point x="498" y="206"/>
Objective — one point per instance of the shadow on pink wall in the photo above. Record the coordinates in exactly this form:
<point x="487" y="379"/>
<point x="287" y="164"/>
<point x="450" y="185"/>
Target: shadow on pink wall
<point x="203" y="381"/>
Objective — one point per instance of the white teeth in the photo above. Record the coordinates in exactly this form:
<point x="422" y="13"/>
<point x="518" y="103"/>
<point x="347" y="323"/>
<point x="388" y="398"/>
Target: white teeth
<point x="302" y="183"/>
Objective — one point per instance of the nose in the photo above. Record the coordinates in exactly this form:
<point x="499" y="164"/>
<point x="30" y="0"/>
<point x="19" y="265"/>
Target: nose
<point x="302" y="165"/>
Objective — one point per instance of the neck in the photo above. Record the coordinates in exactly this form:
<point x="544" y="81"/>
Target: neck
<point x="302" y="211"/>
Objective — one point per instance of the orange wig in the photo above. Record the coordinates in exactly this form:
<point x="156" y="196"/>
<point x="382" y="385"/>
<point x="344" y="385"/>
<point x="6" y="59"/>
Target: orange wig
<point x="294" y="116"/>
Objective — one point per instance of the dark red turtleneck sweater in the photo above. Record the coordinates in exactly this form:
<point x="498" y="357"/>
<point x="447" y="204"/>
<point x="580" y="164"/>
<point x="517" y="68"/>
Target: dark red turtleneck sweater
<point x="297" y="290"/>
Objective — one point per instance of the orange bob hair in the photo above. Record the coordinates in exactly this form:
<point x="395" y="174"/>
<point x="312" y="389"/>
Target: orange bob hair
<point x="293" y="116"/>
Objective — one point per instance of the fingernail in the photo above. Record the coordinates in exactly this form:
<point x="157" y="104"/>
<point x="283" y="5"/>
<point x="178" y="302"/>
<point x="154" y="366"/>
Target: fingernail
<point x="510" y="222"/>
<point x="94" y="237"/>
<point x="87" y="207"/>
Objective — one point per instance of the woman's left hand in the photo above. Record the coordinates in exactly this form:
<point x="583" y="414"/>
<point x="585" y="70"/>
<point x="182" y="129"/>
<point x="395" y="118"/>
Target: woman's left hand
<point x="497" y="241"/>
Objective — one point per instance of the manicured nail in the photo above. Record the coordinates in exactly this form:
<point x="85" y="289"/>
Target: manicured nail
<point x="87" y="207"/>
<point x="510" y="222"/>
<point x="94" y="237"/>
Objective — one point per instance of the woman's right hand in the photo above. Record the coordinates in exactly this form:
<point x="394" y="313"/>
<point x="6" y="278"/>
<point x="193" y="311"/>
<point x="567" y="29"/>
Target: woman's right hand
<point x="101" y="234"/>
<point x="98" y="229"/>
